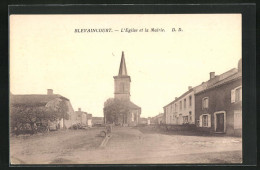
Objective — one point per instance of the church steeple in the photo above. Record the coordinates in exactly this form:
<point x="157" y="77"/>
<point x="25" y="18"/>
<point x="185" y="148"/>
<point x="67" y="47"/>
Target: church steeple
<point x="122" y="68"/>
<point x="122" y="82"/>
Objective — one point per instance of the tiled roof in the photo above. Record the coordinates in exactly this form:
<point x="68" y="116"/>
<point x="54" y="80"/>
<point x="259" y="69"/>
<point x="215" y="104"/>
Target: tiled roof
<point x="184" y="94"/>
<point x="159" y="115"/>
<point x="81" y="112"/>
<point x="33" y="99"/>
<point x="97" y="118"/>
<point x="226" y="80"/>
<point x="126" y="102"/>
<point x="133" y="106"/>
<point x="217" y="80"/>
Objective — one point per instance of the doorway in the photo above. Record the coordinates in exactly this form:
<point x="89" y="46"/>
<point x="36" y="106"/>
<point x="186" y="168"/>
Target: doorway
<point x="220" y="122"/>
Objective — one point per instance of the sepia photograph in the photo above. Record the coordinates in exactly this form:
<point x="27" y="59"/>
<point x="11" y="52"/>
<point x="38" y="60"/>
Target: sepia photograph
<point x="125" y="89"/>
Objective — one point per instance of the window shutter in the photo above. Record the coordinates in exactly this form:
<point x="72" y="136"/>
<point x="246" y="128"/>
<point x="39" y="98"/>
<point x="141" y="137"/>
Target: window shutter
<point x="233" y="96"/>
<point x="207" y="103"/>
<point x="202" y="104"/>
<point x="200" y="120"/>
<point x="237" y="119"/>
<point x="209" y="120"/>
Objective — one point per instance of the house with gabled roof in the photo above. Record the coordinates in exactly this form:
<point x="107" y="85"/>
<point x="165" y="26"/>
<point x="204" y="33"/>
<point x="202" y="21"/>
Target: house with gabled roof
<point x="181" y="110"/>
<point x="81" y="116"/>
<point x="184" y="109"/>
<point x="48" y="100"/>
<point x="218" y="106"/>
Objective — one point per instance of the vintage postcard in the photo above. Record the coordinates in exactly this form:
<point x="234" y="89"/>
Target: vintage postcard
<point x="125" y="89"/>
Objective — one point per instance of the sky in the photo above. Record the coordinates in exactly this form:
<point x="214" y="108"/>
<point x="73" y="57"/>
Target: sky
<point x="46" y="53"/>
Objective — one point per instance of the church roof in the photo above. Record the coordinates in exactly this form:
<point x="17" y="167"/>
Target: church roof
<point x="133" y="106"/>
<point x="122" y="68"/>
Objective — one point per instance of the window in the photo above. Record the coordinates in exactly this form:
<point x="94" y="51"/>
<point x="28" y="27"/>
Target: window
<point x="185" y="120"/>
<point x="205" y="120"/>
<point x="180" y="105"/>
<point x="236" y="94"/>
<point x="190" y="116"/>
<point x="184" y="103"/>
<point x="198" y="123"/>
<point x="180" y="119"/>
<point x="237" y="119"/>
<point x="205" y="103"/>
<point x="190" y="99"/>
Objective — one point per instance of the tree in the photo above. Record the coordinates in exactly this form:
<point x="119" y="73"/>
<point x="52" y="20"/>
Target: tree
<point x="63" y="111"/>
<point x="57" y="109"/>
<point x="116" y="111"/>
<point x="23" y="115"/>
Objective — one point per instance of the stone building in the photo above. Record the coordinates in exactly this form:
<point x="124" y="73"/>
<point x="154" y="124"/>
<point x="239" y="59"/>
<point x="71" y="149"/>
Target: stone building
<point x="49" y="100"/>
<point x="186" y="109"/>
<point x="181" y="110"/>
<point x="122" y="92"/>
<point x="89" y="120"/>
<point x="97" y="121"/>
<point x="81" y="117"/>
<point x="158" y="119"/>
<point x="218" y="107"/>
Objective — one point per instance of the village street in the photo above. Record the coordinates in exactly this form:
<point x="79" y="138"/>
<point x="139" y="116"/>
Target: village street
<point x="127" y="145"/>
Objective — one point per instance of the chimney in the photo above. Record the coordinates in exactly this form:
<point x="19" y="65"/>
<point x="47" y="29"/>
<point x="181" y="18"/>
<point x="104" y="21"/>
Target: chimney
<point x="79" y="109"/>
<point x="176" y="98"/>
<point x="190" y="87"/>
<point x="49" y="92"/>
<point x="211" y="75"/>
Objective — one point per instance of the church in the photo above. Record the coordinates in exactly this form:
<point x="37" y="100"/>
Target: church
<point x="122" y="92"/>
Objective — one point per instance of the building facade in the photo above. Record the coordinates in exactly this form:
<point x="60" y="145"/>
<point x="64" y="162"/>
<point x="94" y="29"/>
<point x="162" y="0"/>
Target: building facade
<point x="182" y="109"/>
<point x="158" y="119"/>
<point x="214" y="105"/>
<point x="97" y="120"/>
<point x="219" y="106"/>
<point x="89" y="120"/>
<point x="81" y="117"/>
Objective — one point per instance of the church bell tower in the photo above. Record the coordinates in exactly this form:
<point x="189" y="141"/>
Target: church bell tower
<point x="122" y="82"/>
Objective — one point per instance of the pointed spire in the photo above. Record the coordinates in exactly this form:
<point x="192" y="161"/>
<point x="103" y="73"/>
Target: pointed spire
<point x="122" y="68"/>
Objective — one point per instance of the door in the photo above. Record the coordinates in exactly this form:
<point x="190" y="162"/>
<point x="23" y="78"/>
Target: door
<point x="220" y="122"/>
<point x="89" y="122"/>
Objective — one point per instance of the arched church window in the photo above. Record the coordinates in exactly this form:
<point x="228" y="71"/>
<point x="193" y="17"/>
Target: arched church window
<point x="122" y="87"/>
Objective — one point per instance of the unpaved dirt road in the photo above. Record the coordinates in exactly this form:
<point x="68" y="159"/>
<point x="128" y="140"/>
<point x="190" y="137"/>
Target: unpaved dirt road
<point x="129" y="146"/>
<point x="53" y="146"/>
